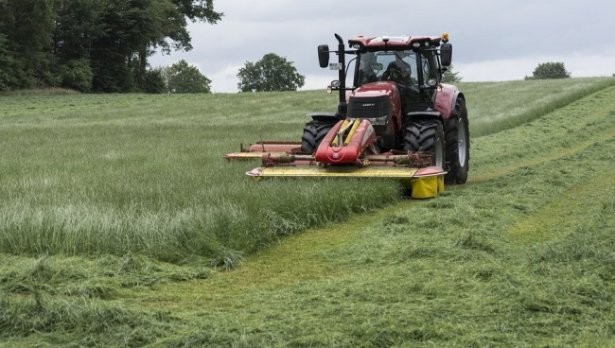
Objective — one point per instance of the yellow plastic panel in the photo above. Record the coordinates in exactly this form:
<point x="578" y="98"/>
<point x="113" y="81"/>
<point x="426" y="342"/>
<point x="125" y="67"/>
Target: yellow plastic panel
<point x="427" y="187"/>
<point x="315" y="171"/>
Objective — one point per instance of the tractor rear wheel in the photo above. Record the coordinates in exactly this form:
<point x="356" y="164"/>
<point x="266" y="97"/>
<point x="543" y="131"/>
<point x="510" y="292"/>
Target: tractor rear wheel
<point x="313" y="133"/>
<point x="458" y="145"/>
<point x="426" y="136"/>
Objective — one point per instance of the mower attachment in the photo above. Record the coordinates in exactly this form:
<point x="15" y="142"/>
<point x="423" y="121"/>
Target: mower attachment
<point x="414" y="170"/>
<point x="347" y="150"/>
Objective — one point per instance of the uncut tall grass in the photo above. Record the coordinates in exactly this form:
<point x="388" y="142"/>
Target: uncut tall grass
<point x="118" y="174"/>
<point x="94" y="174"/>
<point x="497" y="106"/>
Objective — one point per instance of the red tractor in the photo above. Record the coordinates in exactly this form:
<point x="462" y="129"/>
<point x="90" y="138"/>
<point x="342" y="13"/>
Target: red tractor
<point x="397" y="120"/>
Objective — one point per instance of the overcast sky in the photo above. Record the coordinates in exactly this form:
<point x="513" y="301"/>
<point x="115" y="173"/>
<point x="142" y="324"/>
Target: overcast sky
<point x="492" y="40"/>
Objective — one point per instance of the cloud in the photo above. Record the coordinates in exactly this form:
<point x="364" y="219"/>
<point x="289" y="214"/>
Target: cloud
<point x="226" y="79"/>
<point x="317" y="81"/>
<point x="578" y="65"/>
<point x="492" y="40"/>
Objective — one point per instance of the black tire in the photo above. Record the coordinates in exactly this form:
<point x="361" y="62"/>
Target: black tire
<point x="313" y="133"/>
<point x="457" y="135"/>
<point x="426" y="136"/>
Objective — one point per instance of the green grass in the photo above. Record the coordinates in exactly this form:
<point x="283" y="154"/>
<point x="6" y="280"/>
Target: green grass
<point x="95" y="175"/>
<point x="99" y="192"/>
<point x="520" y="256"/>
<point x="117" y="174"/>
<point x="499" y="106"/>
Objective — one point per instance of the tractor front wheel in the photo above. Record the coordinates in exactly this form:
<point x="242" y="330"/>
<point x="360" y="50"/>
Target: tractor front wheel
<point x="313" y="133"/>
<point x="426" y="136"/>
<point x="458" y="145"/>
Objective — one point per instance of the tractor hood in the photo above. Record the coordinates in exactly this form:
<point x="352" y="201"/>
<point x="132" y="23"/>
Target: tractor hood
<point x="377" y="101"/>
<point x="376" y="89"/>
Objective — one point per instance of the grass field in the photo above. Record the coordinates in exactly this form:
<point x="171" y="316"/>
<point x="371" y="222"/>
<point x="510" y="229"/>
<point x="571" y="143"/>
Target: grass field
<point x="100" y="193"/>
<point x="118" y="174"/>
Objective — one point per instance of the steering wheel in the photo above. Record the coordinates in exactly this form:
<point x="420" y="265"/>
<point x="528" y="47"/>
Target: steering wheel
<point x="395" y="74"/>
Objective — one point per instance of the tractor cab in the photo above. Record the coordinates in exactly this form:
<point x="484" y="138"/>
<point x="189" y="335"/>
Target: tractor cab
<point x="412" y="64"/>
<point x="414" y="74"/>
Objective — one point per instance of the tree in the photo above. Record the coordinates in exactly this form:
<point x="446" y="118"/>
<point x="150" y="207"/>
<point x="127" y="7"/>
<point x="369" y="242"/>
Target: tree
<point x="134" y="28"/>
<point x="184" y="78"/>
<point x="451" y="76"/>
<point x="27" y="26"/>
<point x="155" y="81"/>
<point x="50" y="42"/>
<point x="76" y="74"/>
<point x="7" y="71"/>
<point x="164" y="24"/>
<point x="550" y="70"/>
<point x="78" y="25"/>
<point x="271" y="73"/>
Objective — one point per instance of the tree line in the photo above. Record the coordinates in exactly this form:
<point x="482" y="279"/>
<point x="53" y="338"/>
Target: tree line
<point x="92" y="45"/>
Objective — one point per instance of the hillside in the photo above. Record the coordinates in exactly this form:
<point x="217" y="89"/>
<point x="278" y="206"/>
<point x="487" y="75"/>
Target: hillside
<point x="521" y="255"/>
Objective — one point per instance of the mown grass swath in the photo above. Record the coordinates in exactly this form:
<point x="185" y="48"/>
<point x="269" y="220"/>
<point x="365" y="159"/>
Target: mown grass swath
<point x="117" y="174"/>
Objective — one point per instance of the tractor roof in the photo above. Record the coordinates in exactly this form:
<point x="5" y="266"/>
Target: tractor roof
<point x="394" y="42"/>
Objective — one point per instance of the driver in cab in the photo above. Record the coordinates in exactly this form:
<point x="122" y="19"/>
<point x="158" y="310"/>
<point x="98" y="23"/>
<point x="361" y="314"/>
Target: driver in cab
<point x="398" y="71"/>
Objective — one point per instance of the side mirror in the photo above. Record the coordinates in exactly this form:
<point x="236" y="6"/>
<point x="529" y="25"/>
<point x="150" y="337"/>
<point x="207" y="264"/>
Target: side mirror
<point x="334" y="85"/>
<point x="446" y="54"/>
<point x="323" y="55"/>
